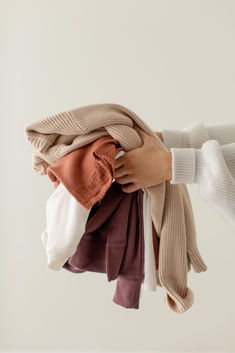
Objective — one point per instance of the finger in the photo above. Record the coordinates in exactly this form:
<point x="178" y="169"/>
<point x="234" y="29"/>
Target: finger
<point x="125" y="179"/>
<point x="144" y="136"/>
<point x="131" y="187"/>
<point x="118" y="162"/>
<point x="120" y="172"/>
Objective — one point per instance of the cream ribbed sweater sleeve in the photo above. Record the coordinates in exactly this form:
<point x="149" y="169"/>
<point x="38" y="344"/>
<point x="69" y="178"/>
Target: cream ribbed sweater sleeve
<point x="197" y="133"/>
<point x="206" y="156"/>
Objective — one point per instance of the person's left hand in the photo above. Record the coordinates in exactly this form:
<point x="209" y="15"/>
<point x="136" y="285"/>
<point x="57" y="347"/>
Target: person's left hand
<point x="145" y="166"/>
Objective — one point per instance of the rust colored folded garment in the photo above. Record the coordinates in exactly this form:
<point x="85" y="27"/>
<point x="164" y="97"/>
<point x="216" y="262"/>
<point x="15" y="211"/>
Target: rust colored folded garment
<point x="113" y="243"/>
<point x="96" y="160"/>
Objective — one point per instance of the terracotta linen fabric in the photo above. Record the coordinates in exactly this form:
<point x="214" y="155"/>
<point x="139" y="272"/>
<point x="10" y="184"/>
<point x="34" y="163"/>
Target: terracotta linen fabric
<point x="87" y="172"/>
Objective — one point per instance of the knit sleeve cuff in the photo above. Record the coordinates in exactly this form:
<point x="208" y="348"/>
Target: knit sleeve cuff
<point x="183" y="165"/>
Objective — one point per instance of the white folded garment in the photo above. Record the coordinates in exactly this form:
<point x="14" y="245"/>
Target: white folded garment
<point x="66" y="221"/>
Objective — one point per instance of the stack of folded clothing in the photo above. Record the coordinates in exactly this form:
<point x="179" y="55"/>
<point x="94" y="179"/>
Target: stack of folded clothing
<point x="145" y="237"/>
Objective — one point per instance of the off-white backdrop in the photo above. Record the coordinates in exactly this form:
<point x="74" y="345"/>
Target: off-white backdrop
<point x="173" y="63"/>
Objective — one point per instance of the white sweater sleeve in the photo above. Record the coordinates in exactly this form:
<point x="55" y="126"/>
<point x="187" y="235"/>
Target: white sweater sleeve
<point x="205" y="156"/>
<point x="197" y="133"/>
<point x="212" y="168"/>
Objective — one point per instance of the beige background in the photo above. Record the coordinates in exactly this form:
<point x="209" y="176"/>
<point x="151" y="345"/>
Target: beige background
<point x="173" y="63"/>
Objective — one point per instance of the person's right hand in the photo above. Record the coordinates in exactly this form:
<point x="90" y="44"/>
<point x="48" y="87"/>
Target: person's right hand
<point x="144" y="166"/>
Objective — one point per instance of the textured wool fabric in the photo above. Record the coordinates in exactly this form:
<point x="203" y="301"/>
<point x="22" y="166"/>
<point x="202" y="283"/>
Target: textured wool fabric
<point x="150" y="281"/>
<point x="170" y="205"/>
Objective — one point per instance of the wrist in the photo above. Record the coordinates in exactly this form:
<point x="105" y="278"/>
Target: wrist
<point x="183" y="165"/>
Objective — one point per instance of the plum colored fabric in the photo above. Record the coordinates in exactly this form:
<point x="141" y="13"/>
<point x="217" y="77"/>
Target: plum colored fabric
<point x="113" y="243"/>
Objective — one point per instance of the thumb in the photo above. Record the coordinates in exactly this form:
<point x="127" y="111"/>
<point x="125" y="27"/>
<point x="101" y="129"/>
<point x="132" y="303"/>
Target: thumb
<point x="144" y="136"/>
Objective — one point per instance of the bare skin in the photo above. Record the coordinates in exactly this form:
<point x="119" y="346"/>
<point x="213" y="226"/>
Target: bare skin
<point x="145" y="166"/>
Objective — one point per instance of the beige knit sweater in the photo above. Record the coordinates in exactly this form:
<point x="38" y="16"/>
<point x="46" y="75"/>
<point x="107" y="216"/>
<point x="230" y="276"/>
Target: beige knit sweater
<point x="54" y="136"/>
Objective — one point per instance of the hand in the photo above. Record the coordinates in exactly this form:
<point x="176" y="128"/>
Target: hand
<point x="145" y="166"/>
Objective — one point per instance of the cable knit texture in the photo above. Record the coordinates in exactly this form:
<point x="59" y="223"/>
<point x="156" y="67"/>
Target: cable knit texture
<point x="170" y="205"/>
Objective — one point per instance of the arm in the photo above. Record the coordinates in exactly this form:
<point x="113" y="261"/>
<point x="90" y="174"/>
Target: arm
<point x="188" y="163"/>
<point x="196" y="134"/>
<point x="212" y="168"/>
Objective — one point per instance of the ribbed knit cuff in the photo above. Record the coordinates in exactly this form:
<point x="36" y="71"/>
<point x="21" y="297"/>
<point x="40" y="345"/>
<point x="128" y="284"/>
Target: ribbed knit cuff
<point x="188" y="164"/>
<point x="183" y="165"/>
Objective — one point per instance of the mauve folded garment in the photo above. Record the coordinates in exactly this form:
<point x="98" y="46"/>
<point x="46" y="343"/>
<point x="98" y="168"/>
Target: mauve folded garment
<point x="113" y="243"/>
